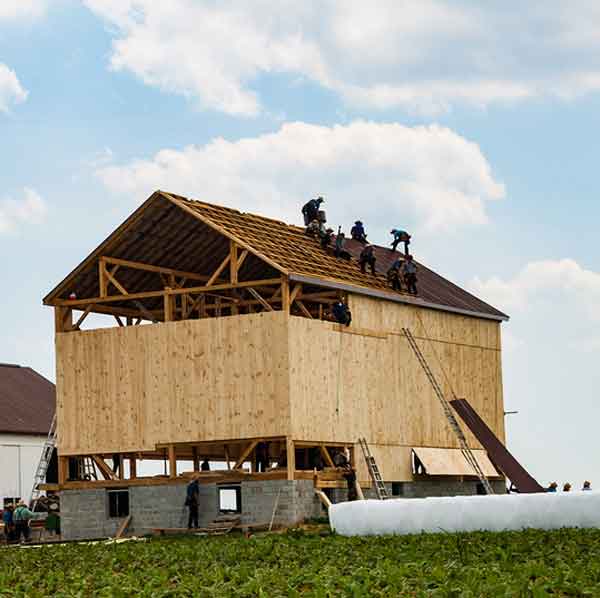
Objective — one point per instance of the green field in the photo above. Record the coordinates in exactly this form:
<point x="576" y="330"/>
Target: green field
<point x="532" y="563"/>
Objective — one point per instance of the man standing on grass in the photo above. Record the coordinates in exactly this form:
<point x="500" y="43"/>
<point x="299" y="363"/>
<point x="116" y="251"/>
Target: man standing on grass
<point x="191" y="502"/>
<point x="21" y="518"/>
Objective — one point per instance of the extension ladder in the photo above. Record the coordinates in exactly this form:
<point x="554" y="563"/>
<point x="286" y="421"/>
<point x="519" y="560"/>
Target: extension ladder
<point x="464" y="447"/>
<point x="87" y="469"/>
<point x="42" y="468"/>
<point x="380" y="488"/>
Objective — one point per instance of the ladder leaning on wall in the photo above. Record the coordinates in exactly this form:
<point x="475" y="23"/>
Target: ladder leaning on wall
<point x="464" y="447"/>
<point x="42" y="468"/>
<point x="380" y="489"/>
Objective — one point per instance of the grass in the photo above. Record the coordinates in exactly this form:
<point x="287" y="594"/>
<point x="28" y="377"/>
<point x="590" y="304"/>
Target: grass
<point x="530" y="563"/>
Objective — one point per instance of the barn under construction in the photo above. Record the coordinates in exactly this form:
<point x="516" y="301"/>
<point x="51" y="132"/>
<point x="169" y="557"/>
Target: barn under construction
<point x="223" y="351"/>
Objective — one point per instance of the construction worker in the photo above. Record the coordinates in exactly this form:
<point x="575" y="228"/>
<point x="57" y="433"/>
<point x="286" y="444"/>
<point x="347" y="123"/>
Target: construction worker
<point x="326" y="236"/>
<point x="587" y="485"/>
<point x="310" y="210"/>
<point x="394" y="275"/>
<point x="21" y="518"/>
<point x="409" y="272"/>
<point x="339" y="250"/>
<point x="400" y="236"/>
<point x="261" y="457"/>
<point x="342" y="462"/>
<point x="552" y="488"/>
<point x="205" y="465"/>
<point x="358" y="232"/>
<point x="192" y="498"/>
<point x="7" y="520"/>
<point x="341" y="313"/>
<point x="367" y="257"/>
<point x="567" y="487"/>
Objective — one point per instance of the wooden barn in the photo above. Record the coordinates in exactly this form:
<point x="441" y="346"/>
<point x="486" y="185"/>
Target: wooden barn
<point x="223" y="350"/>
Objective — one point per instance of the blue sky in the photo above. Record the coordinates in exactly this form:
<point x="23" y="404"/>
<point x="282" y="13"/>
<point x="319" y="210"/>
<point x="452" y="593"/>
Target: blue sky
<point x="475" y="128"/>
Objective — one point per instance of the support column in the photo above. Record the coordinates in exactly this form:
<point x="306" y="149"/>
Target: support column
<point x="291" y="457"/>
<point x="63" y="469"/>
<point x="172" y="462"/>
<point x="132" y="467"/>
<point x="63" y="319"/>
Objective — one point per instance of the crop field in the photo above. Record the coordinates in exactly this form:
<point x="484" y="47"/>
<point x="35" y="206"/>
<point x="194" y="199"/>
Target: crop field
<point x="317" y="563"/>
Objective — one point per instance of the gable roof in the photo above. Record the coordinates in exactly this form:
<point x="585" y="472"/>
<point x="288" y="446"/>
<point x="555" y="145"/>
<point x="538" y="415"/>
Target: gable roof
<point x="161" y="232"/>
<point x="27" y="401"/>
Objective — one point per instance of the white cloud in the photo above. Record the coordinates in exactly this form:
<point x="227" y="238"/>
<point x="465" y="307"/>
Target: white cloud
<point x="11" y="90"/>
<point x="422" y="55"/>
<point x="436" y="179"/>
<point x="13" y="9"/>
<point x="30" y="208"/>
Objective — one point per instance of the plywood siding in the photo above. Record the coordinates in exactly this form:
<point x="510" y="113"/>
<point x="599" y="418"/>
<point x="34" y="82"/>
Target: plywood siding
<point x="129" y="389"/>
<point x="368" y="383"/>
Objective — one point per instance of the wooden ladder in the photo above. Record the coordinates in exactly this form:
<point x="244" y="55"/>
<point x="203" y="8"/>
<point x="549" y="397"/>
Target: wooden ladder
<point x="380" y="489"/>
<point x="464" y="447"/>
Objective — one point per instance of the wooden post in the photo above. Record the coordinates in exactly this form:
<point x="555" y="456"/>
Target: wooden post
<point x="102" y="278"/>
<point x="233" y="262"/>
<point x="227" y="456"/>
<point x="291" y="457"/>
<point x="63" y="319"/>
<point x="195" y="458"/>
<point x="168" y="304"/>
<point x="132" y="467"/>
<point x="285" y="295"/>
<point x="172" y="462"/>
<point x="63" y="469"/>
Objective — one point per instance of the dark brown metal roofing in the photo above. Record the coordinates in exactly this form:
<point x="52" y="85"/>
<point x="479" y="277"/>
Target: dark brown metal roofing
<point x="497" y="452"/>
<point x="27" y="401"/>
<point x="173" y="231"/>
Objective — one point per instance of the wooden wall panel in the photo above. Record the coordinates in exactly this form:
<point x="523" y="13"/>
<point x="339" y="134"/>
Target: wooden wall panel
<point x="376" y="388"/>
<point x="129" y="389"/>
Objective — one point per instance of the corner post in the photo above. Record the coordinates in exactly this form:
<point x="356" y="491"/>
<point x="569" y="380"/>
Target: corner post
<point x="290" y="451"/>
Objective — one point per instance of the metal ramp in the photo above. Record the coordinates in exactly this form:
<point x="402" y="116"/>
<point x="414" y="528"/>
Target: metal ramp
<point x="464" y="447"/>
<point x="42" y="468"/>
<point x="380" y="489"/>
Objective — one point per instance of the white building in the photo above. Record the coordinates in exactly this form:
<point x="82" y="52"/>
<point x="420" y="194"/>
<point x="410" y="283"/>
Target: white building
<point x="27" y="404"/>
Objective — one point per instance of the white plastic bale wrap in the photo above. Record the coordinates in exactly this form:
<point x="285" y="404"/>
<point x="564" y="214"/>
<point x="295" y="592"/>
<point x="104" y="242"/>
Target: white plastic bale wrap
<point x="466" y="513"/>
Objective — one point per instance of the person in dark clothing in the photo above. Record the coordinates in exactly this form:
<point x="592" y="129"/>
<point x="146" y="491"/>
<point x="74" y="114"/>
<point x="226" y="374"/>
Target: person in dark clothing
<point x="367" y="257"/>
<point x="341" y="313"/>
<point x="191" y="502"/>
<point x="394" y="276"/>
<point x="326" y="236"/>
<point x="341" y="460"/>
<point x="262" y="457"/>
<point x="400" y="236"/>
<point x="21" y="518"/>
<point x="409" y="271"/>
<point x="310" y="210"/>
<point x="205" y="465"/>
<point x="587" y="485"/>
<point x="552" y="487"/>
<point x="358" y="232"/>
<point x="9" y="526"/>
<point x="339" y="250"/>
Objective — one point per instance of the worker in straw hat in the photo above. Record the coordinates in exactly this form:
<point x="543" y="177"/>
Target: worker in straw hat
<point x="587" y="485"/>
<point x="567" y="487"/>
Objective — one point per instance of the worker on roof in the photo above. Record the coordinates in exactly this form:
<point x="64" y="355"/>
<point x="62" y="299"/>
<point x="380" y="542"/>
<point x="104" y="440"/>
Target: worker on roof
<point x="192" y="498"/>
<point x="394" y="274"/>
<point x="567" y="487"/>
<point x="358" y="232"/>
<point x="339" y="250"/>
<point x="326" y="236"/>
<point x="341" y="312"/>
<point x="315" y="228"/>
<point x="552" y="488"/>
<point x="409" y="273"/>
<point x="400" y="236"/>
<point x="367" y="257"/>
<point x="310" y="210"/>
<point x="587" y="485"/>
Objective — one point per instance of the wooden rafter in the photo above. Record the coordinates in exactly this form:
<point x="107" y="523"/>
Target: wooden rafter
<point x="296" y="290"/>
<point x="105" y="470"/>
<point x="244" y="455"/>
<point x="260" y="299"/>
<point x="303" y="308"/>
<point x="326" y="455"/>
<point x="233" y="262"/>
<point x="218" y="271"/>
<point x="83" y="316"/>
<point x="153" y="268"/>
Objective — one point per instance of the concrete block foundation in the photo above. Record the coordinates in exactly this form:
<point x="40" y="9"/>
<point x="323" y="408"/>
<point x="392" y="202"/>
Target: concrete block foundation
<point x="85" y="513"/>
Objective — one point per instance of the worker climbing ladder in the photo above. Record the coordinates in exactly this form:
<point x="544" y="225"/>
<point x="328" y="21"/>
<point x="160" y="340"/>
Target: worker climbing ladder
<point x="380" y="488"/>
<point x="464" y="447"/>
<point x="42" y="468"/>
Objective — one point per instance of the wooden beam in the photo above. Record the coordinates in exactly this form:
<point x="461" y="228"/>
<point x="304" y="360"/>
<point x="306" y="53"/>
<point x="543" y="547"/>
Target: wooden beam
<point x="123" y="527"/>
<point x="110" y="275"/>
<point x="303" y="308"/>
<point x="132" y="467"/>
<point x="149" y="294"/>
<point x="172" y="462"/>
<point x="295" y="291"/>
<point x="63" y="319"/>
<point x="227" y="456"/>
<point x="168" y="307"/>
<point x="63" y="469"/>
<point x="326" y="455"/>
<point x="195" y="458"/>
<point x="241" y="259"/>
<point x="290" y="452"/>
<point x="119" y="321"/>
<point x="102" y="280"/>
<point x="285" y="295"/>
<point x="218" y="271"/>
<point x="323" y="498"/>
<point x="260" y="299"/>
<point x="105" y="470"/>
<point x="153" y="268"/>
<point x="233" y="262"/>
<point x="251" y="446"/>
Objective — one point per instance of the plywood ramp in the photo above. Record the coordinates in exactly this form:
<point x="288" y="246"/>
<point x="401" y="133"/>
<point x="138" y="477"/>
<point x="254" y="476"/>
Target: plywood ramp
<point x="129" y="389"/>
